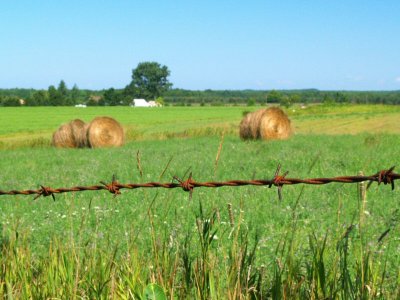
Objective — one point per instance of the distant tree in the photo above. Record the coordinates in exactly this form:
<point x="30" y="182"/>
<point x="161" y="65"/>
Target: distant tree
<point x="295" y="98"/>
<point x="115" y="97"/>
<point x="63" y="93"/>
<point x="263" y="98"/>
<point x="102" y="102"/>
<point x="38" y="98"/>
<point x="74" y="95"/>
<point x="274" y="97"/>
<point x="251" y="102"/>
<point x="123" y="98"/>
<point x="109" y="97"/>
<point x="62" y="88"/>
<point x="149" y="80"/>
<point x="55" y="98"/>
<point x="328" y="100"/>
<point x="289" y="100"/>
<point x="9" y="101"/>
<point x="285" y="101"/>
<point x="131" y="91"/>
<point x="340" y="98"/>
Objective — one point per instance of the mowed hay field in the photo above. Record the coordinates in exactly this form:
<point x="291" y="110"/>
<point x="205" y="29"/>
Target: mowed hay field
<point x="33" y="126"/>
<point x="321" y="242"/>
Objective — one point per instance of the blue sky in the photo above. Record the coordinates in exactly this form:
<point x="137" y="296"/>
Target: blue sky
<point x="329" y="45"/>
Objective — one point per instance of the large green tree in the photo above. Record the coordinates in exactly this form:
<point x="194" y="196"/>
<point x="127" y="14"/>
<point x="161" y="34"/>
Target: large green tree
<point x="110" y="97"/>
<point x="149" y="81"/>
<point x="55" y="98"/>
<point x="63" y="93"/>
<point x="38" y="98"/>
<point x="74" y="95"/>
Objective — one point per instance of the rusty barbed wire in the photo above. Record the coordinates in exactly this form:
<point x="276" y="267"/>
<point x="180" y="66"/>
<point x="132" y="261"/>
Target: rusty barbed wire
<point x="188" y="185"/>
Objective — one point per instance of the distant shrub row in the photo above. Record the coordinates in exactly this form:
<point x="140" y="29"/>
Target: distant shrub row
<point x="61" y="96"/>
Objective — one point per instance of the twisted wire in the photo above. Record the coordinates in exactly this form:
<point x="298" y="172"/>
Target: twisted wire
<point x="188" y="185"/>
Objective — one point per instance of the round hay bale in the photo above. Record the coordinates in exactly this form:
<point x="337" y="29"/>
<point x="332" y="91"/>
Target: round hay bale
<point x="244" y="128"/>
<point x="79" y="128"/>
<point x="275" y="124"/>
<point x="271" y="123"/>
<point x="256" y="118"/>
<point x="105" y="132"/>
<point x="63" y="137"/>
<point x="249" y="127"/>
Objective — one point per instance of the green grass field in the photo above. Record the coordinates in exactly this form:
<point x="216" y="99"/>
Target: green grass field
<point x="33" y="126"/>
<point x="319" y="242"/>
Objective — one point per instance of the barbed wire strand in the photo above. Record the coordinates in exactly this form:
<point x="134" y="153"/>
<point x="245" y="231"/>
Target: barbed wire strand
<point x="188" y="185"/>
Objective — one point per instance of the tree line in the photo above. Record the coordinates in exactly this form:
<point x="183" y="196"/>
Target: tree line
<point x="62" y="96"/>
<point x="53" y="96"/>
<point x="149" y="80"/>
<point x="283" y="97"/>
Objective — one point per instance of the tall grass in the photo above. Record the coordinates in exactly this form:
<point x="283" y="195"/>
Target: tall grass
<point x="319" y="242"/>
<point x="212" y="261"/>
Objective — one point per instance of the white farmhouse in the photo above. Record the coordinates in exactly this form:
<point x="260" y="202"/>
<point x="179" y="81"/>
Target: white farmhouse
<point x="140" y="103"/>
<point x="144" y="103"/>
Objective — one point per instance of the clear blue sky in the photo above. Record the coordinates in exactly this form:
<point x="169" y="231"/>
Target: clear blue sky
<point x="326" y="44"/>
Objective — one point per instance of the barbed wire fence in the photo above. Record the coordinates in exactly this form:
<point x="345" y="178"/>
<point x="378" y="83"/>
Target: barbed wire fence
<point x="386" y="176"/>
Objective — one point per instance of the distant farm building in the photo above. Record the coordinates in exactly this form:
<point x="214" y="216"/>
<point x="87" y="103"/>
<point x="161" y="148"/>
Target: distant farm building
<point x="144" y="103"/>
<point x="140" y="103"/>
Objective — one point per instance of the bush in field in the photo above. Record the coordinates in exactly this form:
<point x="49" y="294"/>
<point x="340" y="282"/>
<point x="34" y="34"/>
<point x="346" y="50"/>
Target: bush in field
<point x="9" y="101"/>
<point x="38" y="98"/>
<point x="251" y="102"/>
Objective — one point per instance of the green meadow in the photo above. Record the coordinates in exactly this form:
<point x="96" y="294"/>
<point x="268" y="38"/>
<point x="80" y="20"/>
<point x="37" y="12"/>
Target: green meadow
<point x="318" y="242"/>
<point x="33" y="126"/>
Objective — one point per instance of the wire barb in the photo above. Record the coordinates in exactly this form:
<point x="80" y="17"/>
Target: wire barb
<point x="112" y="187"/>
<point x="385" y="176"/>
<point x="277" y="181"/>
<point x="45" y="192"/>
<point x="187" y="185"/>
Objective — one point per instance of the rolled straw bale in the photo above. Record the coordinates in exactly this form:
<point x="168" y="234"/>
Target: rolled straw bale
<point x="105" y="132"/>
<point x="244" y="128"/>
<point x="275" y="124"/>
<point x="271" y="123"/>
<point x="63" y="137"/>
<point x="79" y="128"/>
<point x="249" y="127"/>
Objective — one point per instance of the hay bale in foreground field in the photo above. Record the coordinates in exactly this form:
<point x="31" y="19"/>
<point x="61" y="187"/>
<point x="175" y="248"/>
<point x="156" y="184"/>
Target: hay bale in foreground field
<point x="275" y="124"/>
<point x="71" y="135"/>
<point x="271" y="123"/>
<point x="245" y="127"/>
<point x="63" y="137"/>
<point x="249" y="127"/>
<point x="79" y="128"/>
<point x="105" y="132"/>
